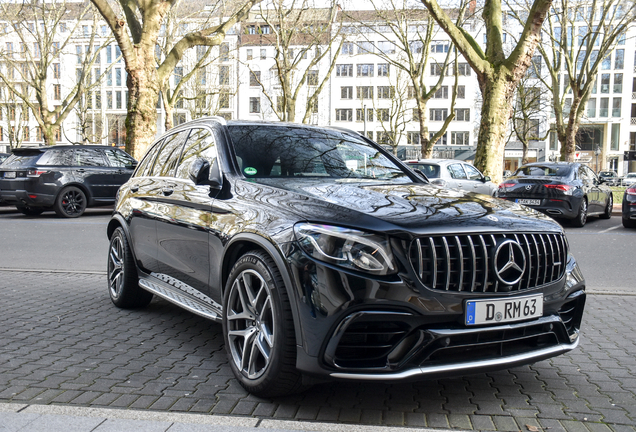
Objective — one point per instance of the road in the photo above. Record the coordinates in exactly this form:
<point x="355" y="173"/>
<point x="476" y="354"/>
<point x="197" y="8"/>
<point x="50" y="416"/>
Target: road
<point x="65" y="345"/>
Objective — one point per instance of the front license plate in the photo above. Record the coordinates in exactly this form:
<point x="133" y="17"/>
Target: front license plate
<point x="503" y="310"/>
<point x="528" y="201"/>
<point x="9" y="174"/>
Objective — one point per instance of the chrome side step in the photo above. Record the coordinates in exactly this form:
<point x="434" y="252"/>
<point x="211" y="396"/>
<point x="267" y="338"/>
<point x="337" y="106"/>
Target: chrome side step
<point x="181" y="294"/>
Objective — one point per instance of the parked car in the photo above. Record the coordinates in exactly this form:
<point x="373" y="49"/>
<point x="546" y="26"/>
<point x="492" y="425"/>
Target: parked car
<point x="629" y="207"/>
<point x="324" y="256"/>
<point x="455" y="174"/>
<point x="560" y="189"/>
<point x="63" y="178"/>
<point x="629" y="179"/>
<point x="3" y="156"/>
<point x="608" y="177"/>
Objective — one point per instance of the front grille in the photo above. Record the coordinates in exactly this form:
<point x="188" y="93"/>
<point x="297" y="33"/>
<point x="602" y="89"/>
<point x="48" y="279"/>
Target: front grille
<point x="464" y="262"/>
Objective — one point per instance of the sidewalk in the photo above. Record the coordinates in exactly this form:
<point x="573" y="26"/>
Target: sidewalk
<point x="53" y="418"/>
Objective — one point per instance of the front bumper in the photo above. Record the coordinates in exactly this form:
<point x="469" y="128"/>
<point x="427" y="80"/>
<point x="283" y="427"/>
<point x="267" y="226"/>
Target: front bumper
<point x="365" y="328"/>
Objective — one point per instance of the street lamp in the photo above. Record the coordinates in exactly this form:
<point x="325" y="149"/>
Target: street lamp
<point x="597" y="152"/>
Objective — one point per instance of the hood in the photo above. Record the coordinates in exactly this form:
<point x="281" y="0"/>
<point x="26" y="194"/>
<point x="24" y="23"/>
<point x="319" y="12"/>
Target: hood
<point x="414" y="207"/>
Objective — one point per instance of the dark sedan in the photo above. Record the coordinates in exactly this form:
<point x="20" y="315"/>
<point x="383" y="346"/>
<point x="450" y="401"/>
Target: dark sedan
<point x="559" y="189"/>
<point x="629" y="207"/>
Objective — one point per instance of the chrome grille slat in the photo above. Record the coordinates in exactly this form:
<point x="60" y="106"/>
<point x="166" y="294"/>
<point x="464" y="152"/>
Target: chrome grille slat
<point x="462" y="263"/>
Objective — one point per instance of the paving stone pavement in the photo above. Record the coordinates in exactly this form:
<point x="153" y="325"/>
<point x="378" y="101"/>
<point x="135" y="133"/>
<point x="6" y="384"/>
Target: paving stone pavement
<point x="62" y="342"/>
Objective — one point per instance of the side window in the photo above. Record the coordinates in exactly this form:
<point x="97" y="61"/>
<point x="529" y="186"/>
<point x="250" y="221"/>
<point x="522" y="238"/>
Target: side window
<point x="472" y="172"/>
<point x="88" y="157"/>
<point x="456" y="171"/>
<point x="56" y="158"/>
<point x="168" y="155"/>
<point x="582" y="174"/>
<point x="143" y="169"/>
<point x="200" y="144"/>
<point x="591" y="175"/>
<point x="118" y="158"/>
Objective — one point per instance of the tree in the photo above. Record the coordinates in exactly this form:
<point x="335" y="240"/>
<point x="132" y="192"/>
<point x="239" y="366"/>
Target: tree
<point x="409" y="34"/>
<point x="498" y="74"/>
<point x="573" y="59"/>
<point x="33" y="73"/>
<point x="302" y="38"/>
<point x="136" y="27"/>
<point x="528" y="113"/>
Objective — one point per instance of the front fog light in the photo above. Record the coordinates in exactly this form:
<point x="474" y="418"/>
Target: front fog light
<point x="346" y="247"/>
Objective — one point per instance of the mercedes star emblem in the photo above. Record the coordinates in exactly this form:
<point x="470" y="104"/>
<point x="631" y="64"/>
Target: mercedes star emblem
<point x="509" y="262"/>
<point x="528" y="187"/>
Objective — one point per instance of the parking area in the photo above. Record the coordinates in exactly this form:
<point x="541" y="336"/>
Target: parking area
<point x="65" y="343"/>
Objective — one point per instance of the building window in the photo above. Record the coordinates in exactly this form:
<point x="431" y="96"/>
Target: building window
<point x="416" y="114"/>
<point x="263" y="53"/>
<point x="591" y="107"/>
<point x="619" y="59"/>
<point x="604" y="109"/>
<point x="57" y="92"/>
<point x="224" y="99"/>
<point x="344" y="70"/>
<point x="255" y="105"/>
<point x="413" y="138"/>
<point x="416" y="46"/>
<point x="364" y="92"/>
<point x="384" y="137"/>
<point x="410" y="92"/>
<point x="224" y="75"/>
<point x="383" y="115"/>
<point x="346" y="92"/>
<point x="360" y="114"/>
<point x="255" y="78"/>
<point x="606" y="64"/>
<point x="442" y="141"/>
<point x="224" y="52"/>
<point x="605" y="83"/>
<point x="438" y="114"/>
<point x="439" y="46"/>
<point x="118" y="100"/>
<point x="554" y="143"/>
<point x="460" y="138"/>
<point x="347" y="48"/>
<point x="616" y="133"/>
<point x="386" y="47"/>
<point x="441" y="93"/>
<point x="463" y="69"/>
<point x="462" y="114"/>
<point x="365" y="70"/>
<point x="25" y="134"/>
<point x="618" y="83"/>
<point x="344" y="114"/>
<point x="312" y="78"/>
<point x="365" y="47"/>
<point x="178" y="75"/>
<point x="109" y="100"/>
<point x="250" y="54"/>
<point x="436" y="69"/>
<point x="383" y="69"/>
<point x="616" y="107"/>
<point x="461" y="92"/>
<point x="386" y="92"/>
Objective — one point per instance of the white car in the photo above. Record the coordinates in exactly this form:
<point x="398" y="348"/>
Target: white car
<point x="455" y="174"/>
<point x="629" y="179"/>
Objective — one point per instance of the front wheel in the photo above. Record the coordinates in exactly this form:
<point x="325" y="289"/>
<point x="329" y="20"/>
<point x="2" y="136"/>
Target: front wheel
<point x="581" y="216"/>
<point x="123" y="281"/>
<point x="608" y="210"/>
<point x="258" y="328"/>
<point x="70" y="203"/>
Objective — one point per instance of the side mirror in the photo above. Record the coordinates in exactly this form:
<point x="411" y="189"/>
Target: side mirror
<point x="202" y="173"/>
<point x="486" y="179"/>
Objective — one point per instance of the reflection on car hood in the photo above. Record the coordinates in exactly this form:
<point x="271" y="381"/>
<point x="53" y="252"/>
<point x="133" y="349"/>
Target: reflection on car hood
<point x="415" y="207"/>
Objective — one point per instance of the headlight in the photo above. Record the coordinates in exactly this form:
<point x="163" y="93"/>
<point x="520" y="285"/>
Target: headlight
<point x="346" y="247"/>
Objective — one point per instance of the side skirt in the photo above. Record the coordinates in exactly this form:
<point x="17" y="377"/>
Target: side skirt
<point x="182" y="295"/>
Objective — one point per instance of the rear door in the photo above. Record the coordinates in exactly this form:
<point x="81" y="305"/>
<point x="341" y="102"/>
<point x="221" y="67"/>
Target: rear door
<point x="475" y="180"/>
<point x="121" y="167"/>
<point x="458" y="176"/>
<point x="91" y="170"/>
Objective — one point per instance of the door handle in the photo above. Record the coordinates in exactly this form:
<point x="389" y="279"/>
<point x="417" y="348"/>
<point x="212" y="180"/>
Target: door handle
<point x="134" y="189"/>
<point x="167" y="191"/>
<point x="81" y="170"/>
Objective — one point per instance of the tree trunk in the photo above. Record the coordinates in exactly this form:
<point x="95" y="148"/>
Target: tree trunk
<point x="141" y="121"/>
<point x="168" y="111"/>
<point x="427" y="145"/>
<point x="497" y="93"/>
<point x="48" y="133"/>
<point x="568" y="145"/>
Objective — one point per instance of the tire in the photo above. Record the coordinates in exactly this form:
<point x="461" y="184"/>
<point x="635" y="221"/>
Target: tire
<point x="123" y="281"/>
<point x="581" y="216"/>
<point x="629" y="223"/>
<point x="608" y="210"/>
<point x="258" y="328"/>
<point x="70" y="202"/>
<point x="30" y="211"/>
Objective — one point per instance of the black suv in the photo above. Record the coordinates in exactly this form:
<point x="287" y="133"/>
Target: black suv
<point x="323" y="256"/>
<point x="66" y="179"/>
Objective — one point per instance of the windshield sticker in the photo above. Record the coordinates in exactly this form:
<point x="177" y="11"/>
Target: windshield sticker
<point x="250" y="171"/>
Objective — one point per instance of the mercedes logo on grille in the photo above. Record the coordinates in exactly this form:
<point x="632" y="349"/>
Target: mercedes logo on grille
<point x="528" y="187"/>
<point x="509" y="262"/>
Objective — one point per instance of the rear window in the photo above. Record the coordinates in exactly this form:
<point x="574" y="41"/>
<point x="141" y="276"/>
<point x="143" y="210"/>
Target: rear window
<point x="430" y="170"/>
<point x="22" y="159"/>
<point x="543" y="171"/>
<point x="56" y="157"/>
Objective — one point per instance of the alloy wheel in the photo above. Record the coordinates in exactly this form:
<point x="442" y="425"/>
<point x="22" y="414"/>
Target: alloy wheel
<point x="116" y="260"/>
<point x="73" y="202"/>
<point x="250" y="323"/>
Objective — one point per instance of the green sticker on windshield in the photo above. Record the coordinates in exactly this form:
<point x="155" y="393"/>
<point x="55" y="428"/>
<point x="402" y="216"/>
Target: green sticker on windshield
<point x="250" y="171"/>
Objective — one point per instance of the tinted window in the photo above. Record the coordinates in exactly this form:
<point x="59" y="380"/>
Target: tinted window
<point x="456" y="171"/>
<point x="88" y="157"/>
<point x="118" y="158"/>
<point x="168" y="155"/>
<point x="60" y="157"/>
<point x="200" y="144"/>
<point x="281" y="151"/>
<point x="429" y="170"/>
<point x="472" y="172"/>
<point x="22" y="159"/>
<point x="144" y="167"/>
<point x="543" y="171"/>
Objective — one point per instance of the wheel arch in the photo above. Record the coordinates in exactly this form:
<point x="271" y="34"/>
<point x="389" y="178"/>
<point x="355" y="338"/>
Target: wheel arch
<point x="118" y="221"/>
<point x="245" y="242"/>
<point x="83" y="188"/>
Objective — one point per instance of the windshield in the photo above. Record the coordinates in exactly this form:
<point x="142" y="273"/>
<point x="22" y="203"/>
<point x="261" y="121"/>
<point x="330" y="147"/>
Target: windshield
<point x="543" y="171"/>
<point x="266" y="151"/>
